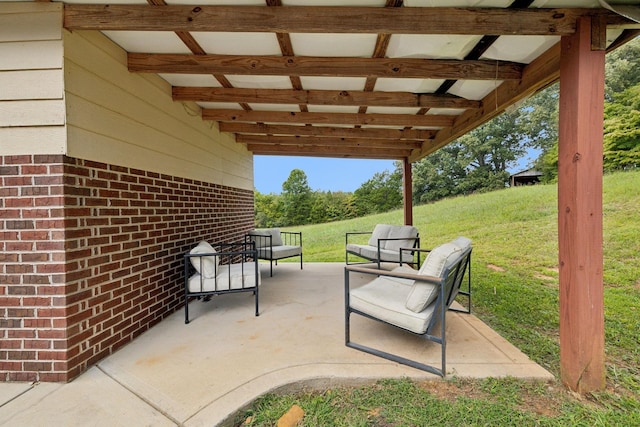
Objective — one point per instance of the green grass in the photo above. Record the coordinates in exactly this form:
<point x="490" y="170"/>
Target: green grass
<point x="515" y="285"/>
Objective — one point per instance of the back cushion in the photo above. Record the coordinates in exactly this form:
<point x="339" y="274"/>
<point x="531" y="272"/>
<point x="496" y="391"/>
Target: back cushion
<point x="401" y="232"/>
<point x="422" y="294"/>
<point x="206" y="265"/>
<point x="385" y="231"/>
<point x="276" y="238"/>
<point x="462" y="242"/>
<point x="380" y="231"/>
<point x="440" y="258"/>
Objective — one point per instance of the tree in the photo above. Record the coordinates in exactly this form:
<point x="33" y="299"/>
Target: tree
<point x="296" y="199"/>
<point x="267" y="209"/>
<point x="381" y="193"/>
<point x="621" y="114"/>
<point x="622" y="69"/>
<point x="438" y="175"/>
<point x="622" y="130"/>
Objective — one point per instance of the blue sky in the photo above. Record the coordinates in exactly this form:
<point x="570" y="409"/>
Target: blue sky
<point x="323" y="174"/>
<point x="326" y="174"/>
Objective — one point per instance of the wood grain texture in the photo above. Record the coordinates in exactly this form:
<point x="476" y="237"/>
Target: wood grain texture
<point x="326" y="131"/>
<point x="314" y="19"/>
<point x="321" y="97"/>
<point x="324" y="66"/>
<point x="580" y="237"/>
<point x="327" y="118"/>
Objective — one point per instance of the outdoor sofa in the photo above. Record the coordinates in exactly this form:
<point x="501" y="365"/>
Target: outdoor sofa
<point x="413" y="301"/>
<point x="220" y="269"/>
<point x="384" y="245"/>
<point x="273" y="244"/>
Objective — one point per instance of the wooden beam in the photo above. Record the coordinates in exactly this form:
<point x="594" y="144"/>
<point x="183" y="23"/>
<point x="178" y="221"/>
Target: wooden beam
<point x="302" y="141"/>
<point x="321" y="97"/>
<point x="339" y="152"/>
<point x="580" y="238"/>
<point x="536" y="76"/>
<point x="319" y="19"/>
<point x="324" y="66"/>
<point x="325" y="131"/>
<point x="399" y="120"/>
<point x="407" y="191"/>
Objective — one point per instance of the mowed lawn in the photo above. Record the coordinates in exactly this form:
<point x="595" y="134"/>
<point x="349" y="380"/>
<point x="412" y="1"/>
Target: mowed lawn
<point x="515" y="291"/>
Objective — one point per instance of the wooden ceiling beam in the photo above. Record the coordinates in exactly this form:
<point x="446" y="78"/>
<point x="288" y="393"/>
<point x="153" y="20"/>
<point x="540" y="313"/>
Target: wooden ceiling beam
<point x="321" y="97"/>
<point x="399" y="120"/>
<point x="321" y="19"/>
<point x="329" y="142"/>
<point x="326" y="131"/>
<point x="324" y="66"/>
<point x="336" y="152"/>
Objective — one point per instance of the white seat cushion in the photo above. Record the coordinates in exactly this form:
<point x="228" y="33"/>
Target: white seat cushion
<point x="234" y="276"/>
<point x="385" y="299"/>
<point x="371" y="252"/>
<point x="279" y="252"/>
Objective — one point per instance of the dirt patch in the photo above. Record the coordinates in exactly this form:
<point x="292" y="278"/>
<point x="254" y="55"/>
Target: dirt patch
<point x="547" y="404"/>
<point x="495" y="268"/>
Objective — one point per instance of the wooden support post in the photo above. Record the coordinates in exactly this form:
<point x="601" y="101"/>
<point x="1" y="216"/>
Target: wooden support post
<point x="407" y="192"/>
<point x="580" y="212"/>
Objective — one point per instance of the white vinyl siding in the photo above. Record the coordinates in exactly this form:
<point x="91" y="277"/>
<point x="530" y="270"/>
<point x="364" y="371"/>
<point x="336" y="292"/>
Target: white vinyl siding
<point x="32" y="108"/>
<point x="128" y="119"/>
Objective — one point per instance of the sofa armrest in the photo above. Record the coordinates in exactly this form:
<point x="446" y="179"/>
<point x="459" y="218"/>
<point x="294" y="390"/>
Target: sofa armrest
<point x="354" y="233"/>
<point x="291" y="238"/>
<point x="398" y="274"/>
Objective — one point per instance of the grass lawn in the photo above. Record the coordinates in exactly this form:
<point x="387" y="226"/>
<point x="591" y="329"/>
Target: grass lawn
<point x="515" y="291"/>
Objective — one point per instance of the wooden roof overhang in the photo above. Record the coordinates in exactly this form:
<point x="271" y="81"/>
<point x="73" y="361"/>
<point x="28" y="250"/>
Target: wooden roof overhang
<point x="326" y="91"/>
<point x="288" y="82"/>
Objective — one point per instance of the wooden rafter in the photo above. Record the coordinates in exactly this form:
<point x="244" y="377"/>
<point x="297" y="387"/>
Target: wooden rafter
<point x="321" y="97"/>
<point x="329" y="142"/>
<point x="324" y="66"/>
<point x="310" y="19"/>
<point x="326" y="131"/>
<point x="324" y="151"/>
<point x="328" y="118"/>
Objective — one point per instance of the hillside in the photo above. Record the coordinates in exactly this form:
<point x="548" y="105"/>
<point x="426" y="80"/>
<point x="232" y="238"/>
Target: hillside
<point x="515" y="275"/>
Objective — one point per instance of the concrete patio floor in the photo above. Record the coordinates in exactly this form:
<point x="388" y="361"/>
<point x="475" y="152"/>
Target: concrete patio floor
<point x="203" y="372"/>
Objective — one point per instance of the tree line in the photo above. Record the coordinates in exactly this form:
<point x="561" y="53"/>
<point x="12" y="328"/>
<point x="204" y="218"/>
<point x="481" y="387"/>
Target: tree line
<point x="478" y="161"/>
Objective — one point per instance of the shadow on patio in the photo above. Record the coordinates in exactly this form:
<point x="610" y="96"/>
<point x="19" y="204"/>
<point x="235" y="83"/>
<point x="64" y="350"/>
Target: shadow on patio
<point x="200" y="373"/>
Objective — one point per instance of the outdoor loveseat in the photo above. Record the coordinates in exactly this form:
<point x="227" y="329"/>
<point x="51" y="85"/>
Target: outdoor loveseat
<point x="413" y="301"/>
<point x="384" y="244"/>
<point x="220" y="269"/>
<point x="273" y="244"/>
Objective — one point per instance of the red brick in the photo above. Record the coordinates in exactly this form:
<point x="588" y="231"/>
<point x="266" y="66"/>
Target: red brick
<point x="38" y="366"/>
<point x="38" y="323"/>
<point x="23" y="376"/>
<point x="21" y="355"/>
<point x="21" y="290"/>
<point x="21" y="333"/>
<point x="20" y="312"/>
<point x="37" y="344"/>
<point x="51" y="355"/>
<point x="10" y="344"/>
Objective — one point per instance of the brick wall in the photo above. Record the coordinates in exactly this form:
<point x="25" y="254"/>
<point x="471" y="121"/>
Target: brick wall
<point x="92" y="257"/>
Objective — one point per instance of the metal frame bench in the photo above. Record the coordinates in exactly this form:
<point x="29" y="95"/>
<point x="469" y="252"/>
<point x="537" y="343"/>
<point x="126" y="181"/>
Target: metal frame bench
<point x="273" y="244"/>
<point x="413" y="301"/>
<point x="220" y="268"/>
